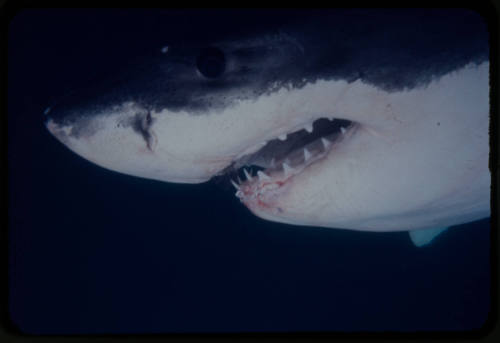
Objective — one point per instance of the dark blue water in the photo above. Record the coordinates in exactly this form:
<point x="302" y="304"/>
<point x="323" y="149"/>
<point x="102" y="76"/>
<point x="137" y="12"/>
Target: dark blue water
<point x="94" y="251"/>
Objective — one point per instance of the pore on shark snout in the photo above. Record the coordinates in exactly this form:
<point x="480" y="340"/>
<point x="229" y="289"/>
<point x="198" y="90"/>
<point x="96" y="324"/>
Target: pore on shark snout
<point x="349" y="119"/>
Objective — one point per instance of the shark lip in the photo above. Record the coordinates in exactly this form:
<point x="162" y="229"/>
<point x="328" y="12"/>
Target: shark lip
<point x="286" y="157"/>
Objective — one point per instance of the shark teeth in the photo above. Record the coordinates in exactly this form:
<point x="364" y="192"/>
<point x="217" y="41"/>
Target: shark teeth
<point x="307" y="155"/>
<point x="287" y="169"/>
<point x="280" y="163"/>
<point x="248" y="176"/>
<point x="263" y="176"/>
<point x="235" y="185"/>
<point x="309" y="128"/>
<point x="326" y="142"/>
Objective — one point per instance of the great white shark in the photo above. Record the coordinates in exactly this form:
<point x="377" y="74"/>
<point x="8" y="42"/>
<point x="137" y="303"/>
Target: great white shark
<point x="370" y="120"/>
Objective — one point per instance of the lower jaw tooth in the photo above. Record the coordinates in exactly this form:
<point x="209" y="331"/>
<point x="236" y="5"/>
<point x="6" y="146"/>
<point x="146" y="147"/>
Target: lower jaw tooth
<point x="307" y="154"/>
<point x="287" y="169"/>
<point x="248" y="176"/>
<point x="326" y="143"/>
<point x="235" y="185"/>
<point x="262" y="176"/>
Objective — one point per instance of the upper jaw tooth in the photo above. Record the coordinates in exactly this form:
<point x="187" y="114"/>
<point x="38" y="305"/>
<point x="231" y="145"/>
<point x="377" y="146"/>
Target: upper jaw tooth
<point x="282" y="137"/>
<point x="342" y="129"/>
<point x="309" y="128"/>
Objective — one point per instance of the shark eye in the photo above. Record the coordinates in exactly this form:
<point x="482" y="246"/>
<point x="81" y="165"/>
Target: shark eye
<point x="211" y="62"/>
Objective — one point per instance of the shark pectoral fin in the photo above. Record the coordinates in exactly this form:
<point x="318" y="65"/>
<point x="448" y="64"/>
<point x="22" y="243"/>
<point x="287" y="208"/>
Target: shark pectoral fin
<point x="425" y="236"/>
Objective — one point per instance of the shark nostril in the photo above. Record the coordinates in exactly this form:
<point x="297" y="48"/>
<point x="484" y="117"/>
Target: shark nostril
<point x="211" y="62"/>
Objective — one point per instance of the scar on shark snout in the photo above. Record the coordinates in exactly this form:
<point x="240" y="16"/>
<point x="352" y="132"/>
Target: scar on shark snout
<point x="142" y="123"/>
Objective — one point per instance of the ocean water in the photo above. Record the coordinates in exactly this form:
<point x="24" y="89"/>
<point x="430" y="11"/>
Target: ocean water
<point x="94" y="251"/>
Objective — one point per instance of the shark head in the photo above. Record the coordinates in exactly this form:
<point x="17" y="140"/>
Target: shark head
<point x="354" y="119"/>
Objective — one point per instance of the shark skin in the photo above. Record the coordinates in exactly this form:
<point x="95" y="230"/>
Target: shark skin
<point x="411" y="153"/>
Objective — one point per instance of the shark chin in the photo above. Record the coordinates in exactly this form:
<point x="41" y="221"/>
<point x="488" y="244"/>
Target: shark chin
<point x="310" y="129"/>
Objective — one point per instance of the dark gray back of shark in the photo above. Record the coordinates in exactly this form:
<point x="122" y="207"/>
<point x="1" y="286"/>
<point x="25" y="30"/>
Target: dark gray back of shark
<point x="263" y="50"/>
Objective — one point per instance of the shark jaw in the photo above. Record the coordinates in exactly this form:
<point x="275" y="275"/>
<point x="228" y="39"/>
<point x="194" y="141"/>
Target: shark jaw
<point x="261" y="191"/>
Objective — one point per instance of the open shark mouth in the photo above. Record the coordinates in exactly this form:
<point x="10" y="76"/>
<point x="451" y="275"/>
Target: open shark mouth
<point x="279" y="160"/>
